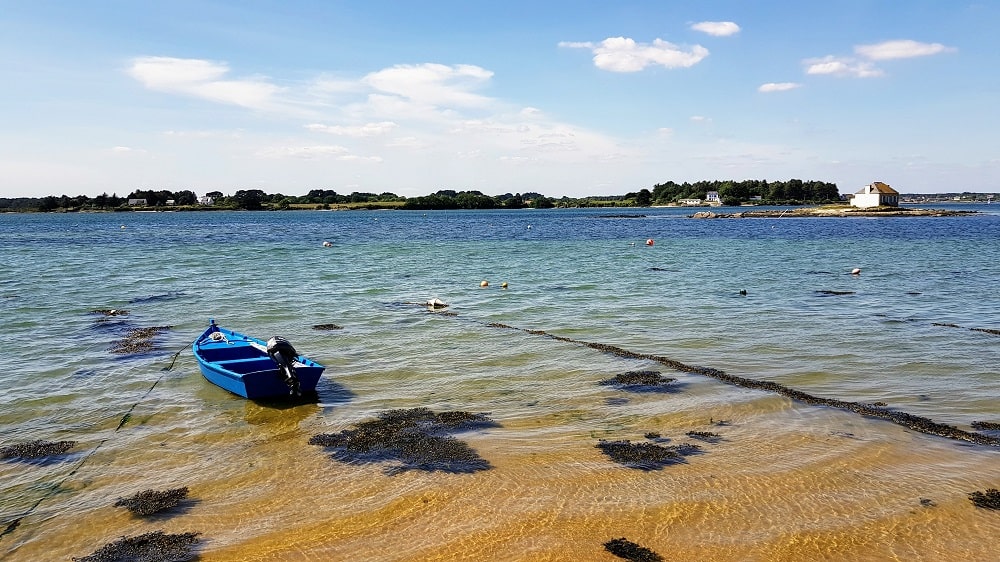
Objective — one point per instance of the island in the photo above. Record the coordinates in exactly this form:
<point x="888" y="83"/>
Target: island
<point x="833" y="211"/>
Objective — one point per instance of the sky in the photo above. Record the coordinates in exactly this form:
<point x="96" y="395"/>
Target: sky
<point x="563" y="98"/>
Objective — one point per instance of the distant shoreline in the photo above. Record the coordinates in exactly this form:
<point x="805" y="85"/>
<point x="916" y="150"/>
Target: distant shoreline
<point x="834" y="211"/>
<point x="790" y="211"/>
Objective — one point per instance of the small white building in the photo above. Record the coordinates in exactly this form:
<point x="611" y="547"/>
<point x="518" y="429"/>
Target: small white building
<point x="690" y="202"/>
<point x="205" y="200"/>
<point x="137" y="202"/>
<point x="713" y="198"/>
<point x="877" y="194"/>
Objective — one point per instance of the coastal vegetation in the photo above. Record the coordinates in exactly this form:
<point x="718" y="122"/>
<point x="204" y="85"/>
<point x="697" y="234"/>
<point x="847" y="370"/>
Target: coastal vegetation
<point x="728" y="192"/>
<point x="700" y="193"/>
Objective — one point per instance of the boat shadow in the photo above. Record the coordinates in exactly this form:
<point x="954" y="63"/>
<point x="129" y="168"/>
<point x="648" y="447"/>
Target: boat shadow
<point x="289" y="411"/>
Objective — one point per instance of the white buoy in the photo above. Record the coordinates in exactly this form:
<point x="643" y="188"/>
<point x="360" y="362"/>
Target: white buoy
<point x="327" y="244"/>
<point x="436" y="303"/>
<point x="484" y="283"/>
<point x="856" y="271"/>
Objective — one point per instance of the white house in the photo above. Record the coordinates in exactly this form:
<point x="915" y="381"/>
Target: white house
<point x="877" y="194"/>
<point x="139" y="202"/>
<point x="713" y="198"/>
<point x="205" y="200"/>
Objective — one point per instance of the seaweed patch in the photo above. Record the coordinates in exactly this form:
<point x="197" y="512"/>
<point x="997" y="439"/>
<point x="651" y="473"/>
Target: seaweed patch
<point x="137" y="340"/>
<point x="327" y="327"/>
<point x="646" y="456"/>
<point x="628" y="550"/>
<point x="990" y="499"/>
<point x="149" y="502"/>
<point x="833" y="293"/>
<point x="416" y="439"/>
<point x="36" y="449"/>
<point x="706" y="436"/>
<point x="639" y="380"/>
<point x="986" y="426"/>
<point x="156" y="546"/>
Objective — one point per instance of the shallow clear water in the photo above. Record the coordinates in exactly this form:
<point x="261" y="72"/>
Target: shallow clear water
<point x="788" y="481"/>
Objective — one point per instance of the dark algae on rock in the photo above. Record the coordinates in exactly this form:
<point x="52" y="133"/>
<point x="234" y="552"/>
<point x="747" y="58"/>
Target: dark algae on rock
<point x="990" y="499"/>
<point x="638" y="379"/>
<point x="628" y="550"/>
<point x="646" y="456"/>
<point x="149" y="502"/>
<point x="156" y="546"/>
<point x="415" y="439"/>
<point x="36" y="449"/>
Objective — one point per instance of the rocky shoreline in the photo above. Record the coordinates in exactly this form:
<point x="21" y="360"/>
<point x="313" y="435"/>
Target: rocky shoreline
<point x="833" y="211"/>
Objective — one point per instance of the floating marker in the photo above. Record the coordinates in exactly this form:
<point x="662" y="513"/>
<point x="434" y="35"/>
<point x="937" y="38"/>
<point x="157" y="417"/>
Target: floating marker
<point x="503" y="285"/>
<point x="484" y="283"/>
<point x="649" y="242"/>
<point x="856" y="271"/>
<point x="327" y="244"/>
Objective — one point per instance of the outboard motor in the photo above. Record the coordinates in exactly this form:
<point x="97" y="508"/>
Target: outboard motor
<point x="283" y="354"/>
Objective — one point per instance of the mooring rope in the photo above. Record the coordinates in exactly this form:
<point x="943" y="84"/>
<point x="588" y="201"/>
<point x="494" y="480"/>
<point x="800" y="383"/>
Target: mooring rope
<point x="16" y="522"/>
<point x="910" y="421"/>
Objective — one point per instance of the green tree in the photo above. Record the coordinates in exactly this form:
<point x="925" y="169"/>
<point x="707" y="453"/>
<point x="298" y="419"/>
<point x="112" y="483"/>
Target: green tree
<point x="644" y="198"/>
<point x="249" y="199"/>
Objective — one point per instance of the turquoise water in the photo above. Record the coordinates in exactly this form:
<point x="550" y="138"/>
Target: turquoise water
<point x="788" y="481"/>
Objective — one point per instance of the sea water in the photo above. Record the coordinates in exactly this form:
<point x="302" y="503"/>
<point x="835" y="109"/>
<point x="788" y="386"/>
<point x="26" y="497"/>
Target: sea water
<point x="763" y="299"/>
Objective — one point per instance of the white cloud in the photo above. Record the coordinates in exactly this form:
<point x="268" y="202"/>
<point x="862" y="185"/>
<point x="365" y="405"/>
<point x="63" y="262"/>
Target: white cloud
<point x="405" y="142"/>
<point x="405" y="116"/>
<point x="717" y="28"/>
<point x="900" y="49"/>
<point x="887" y="50"/>
<point x="622" y="54"/>
<point x="203" y="79"/>
<point x="700" y="119"/>
<point x="839" y="66"/>
<point x="432" y="84"/>
<point x="235" y="134"/>
<point x="778" y="87"/>
<point x="313" y="153"/>
<point x="367" y="130"/>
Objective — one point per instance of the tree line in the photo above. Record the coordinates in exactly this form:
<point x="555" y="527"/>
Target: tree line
<point x="793" y="191"/>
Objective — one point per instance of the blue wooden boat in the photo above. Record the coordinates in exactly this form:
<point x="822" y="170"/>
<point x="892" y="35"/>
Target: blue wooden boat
<point x="253" y="368"/>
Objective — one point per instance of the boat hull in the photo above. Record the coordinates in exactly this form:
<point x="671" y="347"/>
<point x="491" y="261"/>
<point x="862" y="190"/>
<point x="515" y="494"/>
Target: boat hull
<point x="240" y="364"/>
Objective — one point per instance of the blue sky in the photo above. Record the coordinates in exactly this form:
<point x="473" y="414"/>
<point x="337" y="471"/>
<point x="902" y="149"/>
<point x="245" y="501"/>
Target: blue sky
<point x="567" y="98"/>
